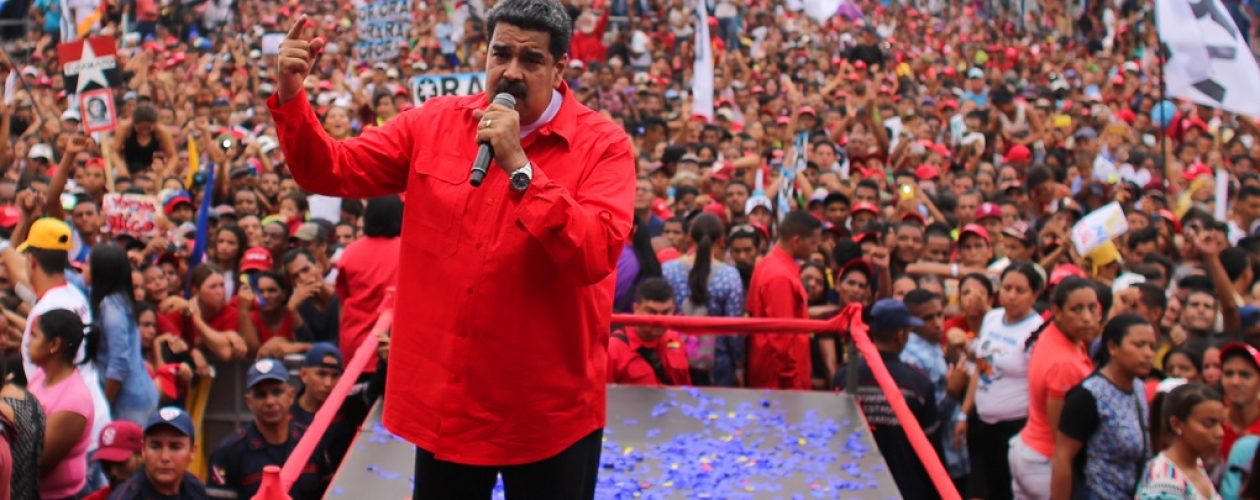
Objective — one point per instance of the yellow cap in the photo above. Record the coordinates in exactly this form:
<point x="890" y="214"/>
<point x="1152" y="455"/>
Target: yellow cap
<point x="48" y="233"/>
<point x="1103" y="255"/>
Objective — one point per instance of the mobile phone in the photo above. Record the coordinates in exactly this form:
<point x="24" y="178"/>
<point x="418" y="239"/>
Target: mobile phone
<point x="907" y="192"/>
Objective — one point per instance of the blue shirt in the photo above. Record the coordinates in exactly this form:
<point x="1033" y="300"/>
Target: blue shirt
<point x="119" y="358"/>
<point x="928" y="358"/>
<point x="726" y="299"/>
<point x="236" y="465"/>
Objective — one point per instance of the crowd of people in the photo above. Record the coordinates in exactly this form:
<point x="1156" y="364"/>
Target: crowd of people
<point x="927" y="160"/>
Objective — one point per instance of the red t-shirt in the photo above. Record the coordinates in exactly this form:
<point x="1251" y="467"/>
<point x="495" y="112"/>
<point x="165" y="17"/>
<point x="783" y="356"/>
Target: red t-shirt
<point x="285" y="330"/>
<point x="367" y="268"/>
<point x="1057" y="364"/>
<point x="1231" y="435"/>
<point x="179" y="324"/>
<point x="627" y="366"/>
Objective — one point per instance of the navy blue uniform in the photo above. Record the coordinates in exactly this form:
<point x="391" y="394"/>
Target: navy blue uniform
<point x="139" y="488"/>
<point x="236" y="466"/>
<point x="904" y="465"/>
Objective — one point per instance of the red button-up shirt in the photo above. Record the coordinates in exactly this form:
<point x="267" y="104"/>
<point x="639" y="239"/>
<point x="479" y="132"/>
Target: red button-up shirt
<point x="778" y="360"/>
<point x="504" y="299"/>
<point x="626" y="366"/>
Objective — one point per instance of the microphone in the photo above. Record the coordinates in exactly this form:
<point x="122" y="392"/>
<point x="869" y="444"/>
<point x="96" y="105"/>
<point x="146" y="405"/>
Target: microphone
<point x="485" y="152"/>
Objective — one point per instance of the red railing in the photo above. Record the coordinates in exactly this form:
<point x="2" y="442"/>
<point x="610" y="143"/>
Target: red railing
<point x="276" y="481"/>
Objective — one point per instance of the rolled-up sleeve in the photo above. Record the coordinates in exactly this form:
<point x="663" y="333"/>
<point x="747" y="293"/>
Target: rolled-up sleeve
<point x="584" y="232"/>
<point x="373" y="164"/>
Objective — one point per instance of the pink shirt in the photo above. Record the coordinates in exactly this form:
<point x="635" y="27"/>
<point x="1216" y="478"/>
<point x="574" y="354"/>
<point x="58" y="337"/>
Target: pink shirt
<point x="70" y="395"/>
<point x="1056" y="365"/>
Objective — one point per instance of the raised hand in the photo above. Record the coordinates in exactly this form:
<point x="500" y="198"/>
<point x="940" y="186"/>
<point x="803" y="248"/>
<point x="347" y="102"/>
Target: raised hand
<point x="295" y="59"/>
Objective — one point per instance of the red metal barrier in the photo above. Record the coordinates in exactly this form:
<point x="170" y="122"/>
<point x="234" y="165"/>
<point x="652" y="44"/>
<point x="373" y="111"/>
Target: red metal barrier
<point x="848" y="322"/>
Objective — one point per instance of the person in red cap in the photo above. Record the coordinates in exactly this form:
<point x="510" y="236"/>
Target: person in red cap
<point x="782" y="361"/>
<point x="118" y="454"/>
<point x="1240" y="380"/>
<point x="989" y="216"/>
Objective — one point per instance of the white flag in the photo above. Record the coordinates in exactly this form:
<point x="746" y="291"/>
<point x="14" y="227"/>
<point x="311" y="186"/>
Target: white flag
<point x="1208" y="62"/>
<point x="702" y="71"/>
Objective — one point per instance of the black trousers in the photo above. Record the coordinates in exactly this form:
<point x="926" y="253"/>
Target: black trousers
<point x="570" y="475"/>
<point x="988" y="445"/>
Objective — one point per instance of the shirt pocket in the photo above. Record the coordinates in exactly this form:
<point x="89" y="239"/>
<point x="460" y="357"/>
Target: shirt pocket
<point x="440" y="198"/>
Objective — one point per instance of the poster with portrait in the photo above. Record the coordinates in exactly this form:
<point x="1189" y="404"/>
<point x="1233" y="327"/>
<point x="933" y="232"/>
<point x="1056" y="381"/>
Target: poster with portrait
<point x="97" y="109"/>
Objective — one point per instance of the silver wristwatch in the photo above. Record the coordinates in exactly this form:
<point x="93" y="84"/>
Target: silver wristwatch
<point x="521" y="177"/>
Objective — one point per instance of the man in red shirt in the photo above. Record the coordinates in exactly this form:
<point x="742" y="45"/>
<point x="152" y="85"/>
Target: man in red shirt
<point x="779" y="360"/>
<point x="649" y="355"/>
<point x="1240" y="379"/>
<point x="505" y="290"/>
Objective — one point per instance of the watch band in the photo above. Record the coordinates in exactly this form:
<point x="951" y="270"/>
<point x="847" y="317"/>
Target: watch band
<point x="528" y="171"/>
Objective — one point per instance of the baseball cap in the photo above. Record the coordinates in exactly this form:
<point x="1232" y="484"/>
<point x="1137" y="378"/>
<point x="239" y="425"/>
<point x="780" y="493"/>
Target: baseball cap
<point x="9" y="215"/>
<point x="892" y="314"/>
<point x="1019" y="153"/>
<point x="41" y="151"/>
<point x="47" y="233"/>
<point x="807" y="110"/>
<point x="321" y="350"/>
<point x="1197" y="170"/>
<point x="1064" y="271"/>
<point x="1240" y="349"/>
<point x="173" y="417"/>
<point x="256" y="259"/>
<point x="757" y="200"/>
<point x="307" y="232"/>
<point x="174" y="200"/>
<point x="266" y="369"/>
<point x="1250" y="315"/>
<point x="1021" y="231"/>
<point x="70" y="115"/>
<point x="975" y="73"/>
<point x="864" y="207"/>
<point x="1086" y="133"/>
<point x="986" y="210"/>
<point x="975" y="229"/>
<point x="120" y="440"/>
<point x="926" y="172"/>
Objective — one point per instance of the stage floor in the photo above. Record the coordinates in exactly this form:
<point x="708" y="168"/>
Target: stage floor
<point x="686" y="443"/>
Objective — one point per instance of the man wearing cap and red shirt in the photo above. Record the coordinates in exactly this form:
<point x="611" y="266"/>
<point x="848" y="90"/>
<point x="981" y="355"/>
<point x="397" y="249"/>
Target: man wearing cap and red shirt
<point x="777" y="360"/>
<point x="118" y="454"/>
<point x="167" y="452"/>
<point x="524" y="263"/>
<point x="1240" y="380"/>
<point x="989" y="216"/>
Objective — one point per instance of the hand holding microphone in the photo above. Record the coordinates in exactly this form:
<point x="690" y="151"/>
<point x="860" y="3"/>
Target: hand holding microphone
<point x="499" y="136"/>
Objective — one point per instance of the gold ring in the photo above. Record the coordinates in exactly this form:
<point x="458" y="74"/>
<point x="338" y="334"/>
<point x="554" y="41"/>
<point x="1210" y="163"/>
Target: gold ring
<point x="487" y="123"/>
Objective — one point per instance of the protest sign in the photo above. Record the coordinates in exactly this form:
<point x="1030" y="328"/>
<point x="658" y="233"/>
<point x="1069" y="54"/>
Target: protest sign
<point x="89" y="64"/>
<point x="1099" y="227"/>
<point x="383" y="27"/>
<point x="425" y="86"/>
<point x="132" y="214"/>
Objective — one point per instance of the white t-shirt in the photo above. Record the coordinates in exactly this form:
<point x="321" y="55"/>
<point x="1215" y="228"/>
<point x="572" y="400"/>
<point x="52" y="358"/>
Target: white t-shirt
<point x="1002" y="391"/>
<point x="66" y="296"/>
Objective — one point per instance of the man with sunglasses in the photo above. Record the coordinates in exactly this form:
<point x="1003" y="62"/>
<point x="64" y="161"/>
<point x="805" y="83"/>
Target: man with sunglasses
<point x="236" y="465"/>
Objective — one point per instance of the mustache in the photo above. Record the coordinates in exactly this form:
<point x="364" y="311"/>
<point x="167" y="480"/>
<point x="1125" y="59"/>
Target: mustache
<point x="515" y="87"/>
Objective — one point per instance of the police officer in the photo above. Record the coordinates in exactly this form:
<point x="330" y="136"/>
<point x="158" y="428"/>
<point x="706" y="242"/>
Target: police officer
<point x="236" y="465"/>
<point x="167" y="451"/>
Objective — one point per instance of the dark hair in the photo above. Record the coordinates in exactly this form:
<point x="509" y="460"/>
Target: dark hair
<point x="298" y="199"/>
<point x="382" y="218"/>
<point x="280" y="279"/>
<point x="1059" y="299"/>
<point x="798" y="223"/>
<point x="1038" y="175"/>
<point x="649" y="266"/>
<point x="144" y="113"/>
<point x="918" y="297"/>
<point x="1152" y="297"/>
<point x="1114" y="333"/>
<point x="66" y="325"/>
<point x="547" y="16"/>
<point x="1147" y="234"/>
<point x="706" y="230"/>
<point x="654" y="290"/>
<point x="1029" y="270"/>
<point x="983" y="280"/>
<point x="242" y="243"/>
<point x="111" y="273"/>
<point x="868" y="184"/>
<point x="293" y="254"/>
<point x="1235" y="261"/>
<point x="1248" y="191"/>
<point x="1180" y="403"/>
<point x="1192" y="351"/>
<point x="50" y="261"/>
<point x="141" y="308"/>
<point x="201" y="273"/>
<point x="833" y="198"/>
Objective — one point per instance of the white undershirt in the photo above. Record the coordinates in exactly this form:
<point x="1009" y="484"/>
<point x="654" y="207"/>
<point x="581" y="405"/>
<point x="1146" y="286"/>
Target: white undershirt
<point x="553" y="108"/>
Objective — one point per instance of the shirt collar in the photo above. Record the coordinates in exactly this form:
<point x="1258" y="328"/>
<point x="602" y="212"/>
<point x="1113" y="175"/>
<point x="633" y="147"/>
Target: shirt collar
<point x="779" y="253"/>
<point x="564" y="124"/>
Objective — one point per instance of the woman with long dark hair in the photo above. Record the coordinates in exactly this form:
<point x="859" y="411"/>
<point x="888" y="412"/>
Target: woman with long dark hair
<point x="1059" y="360"/>
<point x="996" y="404"/>
<point x="1191" y="418"/>
<point x="1108" y="416"/>
<point x="60" y="388"/>
<point x="229" y="246"/>
<point x="120" y="359"/>
<point x="25" y="416"/>
<point x="706" y="286"/>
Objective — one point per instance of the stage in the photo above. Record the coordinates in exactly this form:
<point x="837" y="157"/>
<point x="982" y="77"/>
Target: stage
<point x="686" y="443"/>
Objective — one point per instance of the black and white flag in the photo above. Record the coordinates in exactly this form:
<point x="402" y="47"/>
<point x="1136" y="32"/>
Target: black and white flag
<point x="1208" y="61"/>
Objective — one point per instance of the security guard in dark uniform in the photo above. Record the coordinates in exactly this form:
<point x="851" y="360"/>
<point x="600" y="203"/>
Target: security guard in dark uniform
<point x="236" y="466"/>
<point x="168" y="449"/>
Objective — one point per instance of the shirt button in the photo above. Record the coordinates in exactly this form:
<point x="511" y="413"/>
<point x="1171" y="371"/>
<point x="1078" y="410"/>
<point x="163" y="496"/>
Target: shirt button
<point x="468" y="291"/>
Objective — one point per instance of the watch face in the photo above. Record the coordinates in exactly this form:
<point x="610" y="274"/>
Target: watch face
<point x="520" y="181"/>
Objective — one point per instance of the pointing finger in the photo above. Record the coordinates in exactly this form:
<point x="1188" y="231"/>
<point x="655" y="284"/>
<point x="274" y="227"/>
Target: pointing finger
<point x="295" y="32"/>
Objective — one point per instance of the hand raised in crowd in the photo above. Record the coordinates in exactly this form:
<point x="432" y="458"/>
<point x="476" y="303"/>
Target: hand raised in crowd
<point x="28" y="202"/>
<point x="295" y="59"/>
<point x="1210" y="242"/>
